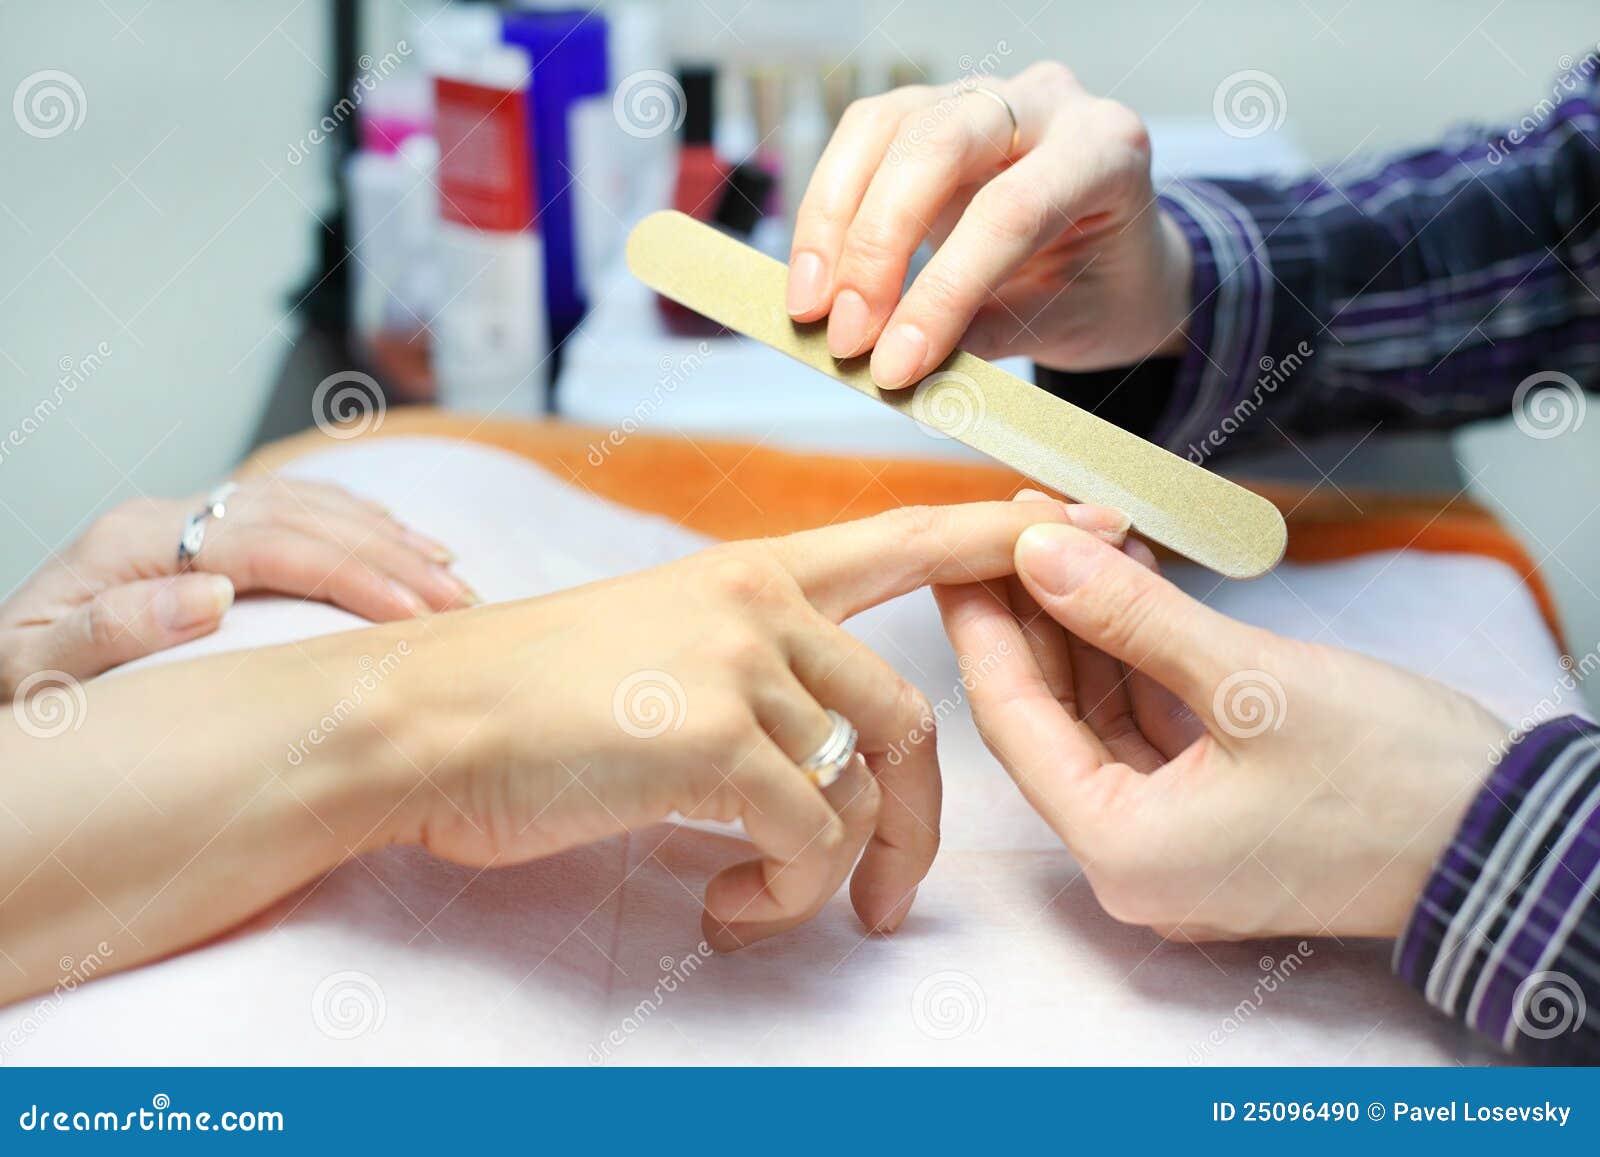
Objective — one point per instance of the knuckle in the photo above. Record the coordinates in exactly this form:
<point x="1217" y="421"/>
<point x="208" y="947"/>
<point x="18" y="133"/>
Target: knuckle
<point x="743" y="653"/>
<point x="942" y="289"/>
<point x="869" y="798"/>
<point x="742" y="575"/>
<point x="824" y="209"/>
<point x="1124" y="886"/>
<point x="875" y="114"/>
<point x="1122" y="124"/>
<point x="1125" y="615"/>
<point x="872" y="243"/>
<point x="1011" y="211"/>
<point x="862" y="112"/>
<point x="831" y="837"/>
<point x="911" y="528"/>
<point x="1125" y="905"/>
<point x="931" y="132"/>
<point x="1053" y="75"/>
<point x="102" y="624"/>
<point x="824" y="212"/>
<point x="914" y="711"/>
<point x="726" y="732"/>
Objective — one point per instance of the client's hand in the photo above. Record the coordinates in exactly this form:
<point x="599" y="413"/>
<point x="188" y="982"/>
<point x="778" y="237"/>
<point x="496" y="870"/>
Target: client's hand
<point x="1215" y="780"/>
<point x="499" y="735"/>
<point x="697" y="688"/>
<point x="1050" y="243"/>
<point x="115" y="594"/>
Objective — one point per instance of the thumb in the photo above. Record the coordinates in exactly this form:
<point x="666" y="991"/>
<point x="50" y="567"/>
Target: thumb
<point x="1110" y="601"/>
<point x="124" y="623"/>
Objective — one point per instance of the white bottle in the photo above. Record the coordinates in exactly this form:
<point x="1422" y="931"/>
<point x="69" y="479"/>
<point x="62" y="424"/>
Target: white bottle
<point x="392" y="220"/>
<point x="734" y="134"/>
<point x="490" y="337"/>
<point x="805" y="135"/>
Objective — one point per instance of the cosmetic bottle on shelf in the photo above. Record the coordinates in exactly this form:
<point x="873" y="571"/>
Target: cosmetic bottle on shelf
<point x="491" y="341"/>
<point x="393" y="215"/>
<point x="701" y="181"/>
<point x="804" y="135"/>
<point x="701" y="172"/>
<point x="569" y="96"/>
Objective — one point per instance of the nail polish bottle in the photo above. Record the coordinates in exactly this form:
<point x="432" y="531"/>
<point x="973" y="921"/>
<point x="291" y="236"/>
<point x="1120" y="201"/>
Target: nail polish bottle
<point x="702" y="177"/>
<point x="701" y="173"/>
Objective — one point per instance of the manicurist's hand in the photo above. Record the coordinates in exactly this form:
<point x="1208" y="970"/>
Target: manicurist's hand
<point x="1052" y="247"/>
<point x="698" y="688"/>
<point x="116" y="594"/>
<point x="1214" y="780"/>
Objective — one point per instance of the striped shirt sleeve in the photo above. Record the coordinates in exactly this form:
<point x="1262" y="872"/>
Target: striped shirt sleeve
<point x="1419" y="290"/>
<point x="1506" y="935"/>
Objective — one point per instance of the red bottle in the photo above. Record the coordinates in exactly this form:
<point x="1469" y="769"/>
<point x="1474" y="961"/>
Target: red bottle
<point x="702" y="176"/>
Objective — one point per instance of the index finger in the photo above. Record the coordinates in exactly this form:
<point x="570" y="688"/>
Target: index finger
<point x="844" y="569"/>
<point x="1059" y="766"/>
<point x="834" y="194"/>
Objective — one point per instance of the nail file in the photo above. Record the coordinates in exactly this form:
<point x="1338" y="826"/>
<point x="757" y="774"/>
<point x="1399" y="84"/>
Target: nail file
<point x="1184" y="507"/>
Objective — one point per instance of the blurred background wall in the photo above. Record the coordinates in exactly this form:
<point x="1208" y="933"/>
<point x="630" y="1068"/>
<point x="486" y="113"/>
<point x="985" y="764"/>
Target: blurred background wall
<point x="160" y="242"/>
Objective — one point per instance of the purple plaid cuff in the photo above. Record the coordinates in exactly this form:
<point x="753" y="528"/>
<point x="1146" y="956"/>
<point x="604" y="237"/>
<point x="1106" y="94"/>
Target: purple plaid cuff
<point x="1249" y="331"/>
<point x="1506" y="934"/>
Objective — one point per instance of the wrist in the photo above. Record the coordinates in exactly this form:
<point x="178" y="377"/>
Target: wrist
<point x="431" y="696"/>
<point x="1441" y="792"/>
<point x="376" y="734"/>
<point x="1176" y="284"/>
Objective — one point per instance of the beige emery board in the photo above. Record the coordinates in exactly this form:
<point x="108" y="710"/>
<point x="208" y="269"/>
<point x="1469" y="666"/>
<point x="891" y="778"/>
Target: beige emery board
<point x="1182" y="506"/>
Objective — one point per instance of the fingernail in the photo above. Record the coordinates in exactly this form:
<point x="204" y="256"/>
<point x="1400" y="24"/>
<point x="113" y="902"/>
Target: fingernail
<point x="847" y="325"/>
<point x="409" y="597"/>
<point x="899" y="357"/>
<point x="1111" y="525"/>
<point x="193" y="600"/>
<point x="1058" y="558"/>
<point x="460" y="592"/>
<point x="1140" y="553"/>
<point x="1103" y="521"/>
<point x="897" y="914"/>
<point x="433" y="549"/>
<point x="808" y="281"/>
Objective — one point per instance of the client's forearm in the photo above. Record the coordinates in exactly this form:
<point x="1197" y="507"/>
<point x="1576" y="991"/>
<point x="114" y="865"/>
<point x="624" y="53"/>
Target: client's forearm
<point x="183" y="799"/>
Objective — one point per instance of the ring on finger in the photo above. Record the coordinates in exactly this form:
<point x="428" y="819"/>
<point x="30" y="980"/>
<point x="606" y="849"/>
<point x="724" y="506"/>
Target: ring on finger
<point x="1011" y="113"/>
<point x="194" y="530"/>
<point x="824" y="766"/>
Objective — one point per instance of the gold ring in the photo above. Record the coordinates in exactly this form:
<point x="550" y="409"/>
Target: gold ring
<point x="1011" y="114"/>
